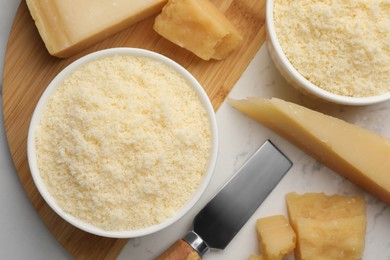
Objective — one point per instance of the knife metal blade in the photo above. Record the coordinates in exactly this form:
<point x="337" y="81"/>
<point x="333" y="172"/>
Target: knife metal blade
<point x="222" y="218"/>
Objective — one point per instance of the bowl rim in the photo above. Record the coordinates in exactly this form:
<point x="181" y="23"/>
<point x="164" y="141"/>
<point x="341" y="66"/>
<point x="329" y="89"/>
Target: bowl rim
<point x="53" y="85"/>
<point x="306" y="84"/>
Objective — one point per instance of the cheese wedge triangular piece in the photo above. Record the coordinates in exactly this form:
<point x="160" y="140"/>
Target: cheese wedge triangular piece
<point x="69" y="26"/>
<point x="358" y="154"/>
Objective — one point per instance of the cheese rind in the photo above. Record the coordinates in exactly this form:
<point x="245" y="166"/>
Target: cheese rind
<point x="69" y="26"/>
<point x="198" y="26"/>
<point x="356" y="153"/>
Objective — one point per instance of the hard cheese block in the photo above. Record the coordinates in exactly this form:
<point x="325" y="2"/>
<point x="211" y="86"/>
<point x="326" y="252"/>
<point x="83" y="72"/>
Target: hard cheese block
<point x="327" y="227"/>
<point x="198" y="26"/>
<point x="69" y="26"/>
<point x="354" y="152"/>
<point x="276" y="236"/>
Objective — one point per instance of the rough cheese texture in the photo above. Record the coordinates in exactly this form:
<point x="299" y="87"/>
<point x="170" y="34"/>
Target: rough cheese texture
<point x="123" y="143"/>
<point x="342" y="46"/>
<point x="328" y="226"/>
<point x="69" y="26"/>
<point x="198" y="26"/>
<point x="358" y="154"/>
<point x="323" y="207"/>
<point x="276" y="236"/>
<point x="339" y="239"/>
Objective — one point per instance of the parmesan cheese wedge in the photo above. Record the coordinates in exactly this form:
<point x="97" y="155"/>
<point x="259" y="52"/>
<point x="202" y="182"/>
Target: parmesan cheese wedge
<point x="356" y="153"/>
<point x="69" y="26"/>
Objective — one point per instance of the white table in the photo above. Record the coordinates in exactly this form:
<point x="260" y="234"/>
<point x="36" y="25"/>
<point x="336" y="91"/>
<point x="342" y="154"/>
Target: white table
<point x="24" y="236"/>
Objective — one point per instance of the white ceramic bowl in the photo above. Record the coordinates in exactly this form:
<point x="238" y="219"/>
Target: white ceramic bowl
<point x="31" y="151"/>
<point x="296" y="79"/>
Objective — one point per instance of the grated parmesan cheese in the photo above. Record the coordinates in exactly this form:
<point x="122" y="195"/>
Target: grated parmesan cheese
<point x="342" y="46"/>
<point x="123" y="143"/>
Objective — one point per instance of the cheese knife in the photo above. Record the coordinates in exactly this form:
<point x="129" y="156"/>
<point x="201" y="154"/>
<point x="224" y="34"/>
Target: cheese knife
<point x="222" y="218"/>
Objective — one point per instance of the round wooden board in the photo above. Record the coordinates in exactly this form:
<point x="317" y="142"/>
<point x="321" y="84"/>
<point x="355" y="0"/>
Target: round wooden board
<point x="28" y="69"/>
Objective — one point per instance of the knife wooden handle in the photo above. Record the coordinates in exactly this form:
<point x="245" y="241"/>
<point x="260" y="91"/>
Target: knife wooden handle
<point x="180" y="250"/>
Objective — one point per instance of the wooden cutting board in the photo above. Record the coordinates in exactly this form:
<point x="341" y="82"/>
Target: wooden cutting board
<point x="28" y="69"/>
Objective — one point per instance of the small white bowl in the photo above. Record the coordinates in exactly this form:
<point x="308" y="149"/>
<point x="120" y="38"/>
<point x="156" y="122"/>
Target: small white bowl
<point x="31" y="152"/>
<point x="297" y="80"/>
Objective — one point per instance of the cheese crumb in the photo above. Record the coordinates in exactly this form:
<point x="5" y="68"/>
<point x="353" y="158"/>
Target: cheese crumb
<point x="342" y="46"/>
<point x="123" y="143"/>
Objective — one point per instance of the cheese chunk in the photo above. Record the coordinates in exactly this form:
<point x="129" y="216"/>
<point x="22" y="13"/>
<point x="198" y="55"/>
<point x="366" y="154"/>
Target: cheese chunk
<point x="69" y="26"/>
<point x="354" y="152"/>
<point x="198" y="26"/>
<point x="276" y="236"/>
<point x="328" y="227"/>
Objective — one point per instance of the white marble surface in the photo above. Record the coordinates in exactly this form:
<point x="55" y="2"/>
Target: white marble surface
<point x="24" y="236"/>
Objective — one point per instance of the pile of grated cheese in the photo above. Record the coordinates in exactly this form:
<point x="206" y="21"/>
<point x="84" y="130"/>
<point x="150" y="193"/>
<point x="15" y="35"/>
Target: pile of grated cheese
<point x="123" y="143"/>
<point x="342" y="46"/>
